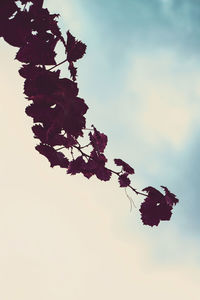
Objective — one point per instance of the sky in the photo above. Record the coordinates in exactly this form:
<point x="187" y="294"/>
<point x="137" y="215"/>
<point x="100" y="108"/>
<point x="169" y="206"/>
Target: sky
<point x="66" y="237"/>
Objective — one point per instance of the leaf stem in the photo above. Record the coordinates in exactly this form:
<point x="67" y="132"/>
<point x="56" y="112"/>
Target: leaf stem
<point x="62" y="62"/>
<point x="138" y="193"/>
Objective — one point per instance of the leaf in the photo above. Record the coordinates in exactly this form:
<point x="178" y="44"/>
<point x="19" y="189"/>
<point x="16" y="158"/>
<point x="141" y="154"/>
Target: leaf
<point x="169" y="197"/>
<point x="39" y="81"/>
<point x="124" y="181"/>
<point x="128" y="169"/>
<point x="7" y="8"/>
<point x="18" y="30"/>
<point x="54" y="157"/>
<point x="76" y="166"/>
<point x="39" y="50"/>
<point x="154" y="208"/>
<point x="75" y="49"/>
<point x="73" y="71"/>
<point x="98" y="140"/>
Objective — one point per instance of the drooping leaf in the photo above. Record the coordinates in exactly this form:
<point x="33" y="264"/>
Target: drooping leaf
<point x="154" y="208"/>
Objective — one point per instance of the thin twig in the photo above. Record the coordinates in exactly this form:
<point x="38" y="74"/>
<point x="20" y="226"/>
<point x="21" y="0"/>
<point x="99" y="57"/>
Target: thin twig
<point x="81" y="147"/>
<point x="62" y="62"/>
<point x="60" y="148"/>
<point x="131" y="200"/>
<point x="138" y="193"/>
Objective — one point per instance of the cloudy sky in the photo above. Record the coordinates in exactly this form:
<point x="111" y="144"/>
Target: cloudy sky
<point x="64" y="237"/>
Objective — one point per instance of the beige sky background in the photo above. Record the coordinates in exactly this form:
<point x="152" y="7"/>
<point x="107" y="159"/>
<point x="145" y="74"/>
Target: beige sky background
<point x="64" y="237"/>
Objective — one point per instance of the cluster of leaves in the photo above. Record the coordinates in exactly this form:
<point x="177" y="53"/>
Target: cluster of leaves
<point x="57" y="111"/>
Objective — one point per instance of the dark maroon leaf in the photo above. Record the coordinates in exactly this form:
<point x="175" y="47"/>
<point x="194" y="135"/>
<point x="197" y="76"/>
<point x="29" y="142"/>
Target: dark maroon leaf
<point x="169" y="197"/>
<point x="41" y="112"/>
<point x="29" y="71"/>
<point x="124" y="181"/>
<point x="98" y="140"/>
<point x="153" y="212"/>
<point x="39" y="81"/>
<point x="73" y="71"/>
<point x="52" y="138"/>
<point x="74" y="122"/>
<point x="38" y="51"/>
<point x="153" y="193"/>
<point x="3" y="25"/>
<point x="89" y="169"/>
<point x="67" y="88"/>
<point x="7" y="8"/>
<point x="74" y="125"/>
<point x="18" y="30"/>
<point x="154" y="208"/>
<point x="103" y="173"/>
<point x="55" y="158"/>
<point x="100" y="170"/>
<point x="39" y="132"/>
<point x="128" y="169"/>
<point x="44" y="21"/>
<point x="99" y="158"/>
<point x="76" y="166"/>
<point x="75" y="49"/>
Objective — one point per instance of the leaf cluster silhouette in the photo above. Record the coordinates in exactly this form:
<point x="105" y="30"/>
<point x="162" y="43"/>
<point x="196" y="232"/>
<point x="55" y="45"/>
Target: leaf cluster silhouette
<point x="57" y="111"/>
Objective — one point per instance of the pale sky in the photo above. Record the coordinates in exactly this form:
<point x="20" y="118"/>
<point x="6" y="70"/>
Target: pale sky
<point x="66" y="237"/>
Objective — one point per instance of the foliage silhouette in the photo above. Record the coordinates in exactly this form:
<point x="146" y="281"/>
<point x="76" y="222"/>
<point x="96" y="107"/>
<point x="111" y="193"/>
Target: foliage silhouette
<point x="56" y="109"/>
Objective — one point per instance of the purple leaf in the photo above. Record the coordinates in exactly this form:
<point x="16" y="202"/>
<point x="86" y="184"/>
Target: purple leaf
<point x="54" y="157"/>
<point x="128" y="169"/>
<point x="154" y="208"/>
<point x="124" y="181"/>
<point x="169" y="197"/>
<point x="75" y="49"/>
<point x="98" y="140"/>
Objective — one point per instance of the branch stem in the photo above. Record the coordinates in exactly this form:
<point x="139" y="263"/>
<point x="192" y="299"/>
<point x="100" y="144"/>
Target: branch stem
<point x="62" y="62"/>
